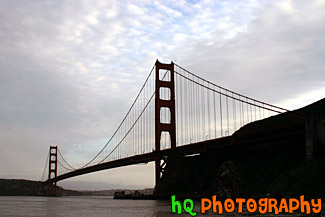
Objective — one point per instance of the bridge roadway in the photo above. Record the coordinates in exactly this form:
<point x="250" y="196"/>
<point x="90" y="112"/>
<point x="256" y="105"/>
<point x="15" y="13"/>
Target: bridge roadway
<point x="194" y="148"/>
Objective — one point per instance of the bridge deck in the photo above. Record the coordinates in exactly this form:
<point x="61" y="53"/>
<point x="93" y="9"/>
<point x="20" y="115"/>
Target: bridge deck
<point x="188" y="150"/>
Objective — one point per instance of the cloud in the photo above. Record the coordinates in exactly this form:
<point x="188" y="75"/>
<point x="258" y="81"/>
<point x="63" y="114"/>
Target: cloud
<point x="278" y="57"/>
<point x="70" y="70"/>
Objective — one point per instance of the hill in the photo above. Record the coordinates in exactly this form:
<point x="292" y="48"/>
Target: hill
<point x="276" y="167"/>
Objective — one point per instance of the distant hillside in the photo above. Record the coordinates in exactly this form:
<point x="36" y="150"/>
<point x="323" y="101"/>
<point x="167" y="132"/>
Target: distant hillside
<point x="15" y="187"/>
<point x="21" y="187"/>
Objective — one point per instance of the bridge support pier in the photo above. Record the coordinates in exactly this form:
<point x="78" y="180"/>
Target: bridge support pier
<point x="157" y="170"/>
<point x="51" y="189"/>
<point x="163" y="103"/>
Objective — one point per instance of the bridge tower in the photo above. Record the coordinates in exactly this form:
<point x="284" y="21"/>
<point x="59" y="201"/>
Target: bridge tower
<point x="163" y="103"/>
<point x="53" y="169"/>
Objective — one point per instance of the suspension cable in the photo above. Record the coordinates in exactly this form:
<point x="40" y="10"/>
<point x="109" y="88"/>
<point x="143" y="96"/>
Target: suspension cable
<point x="47" y="160"/>
<point x="122" y="120"/>
<point x="229" y="90"/>
<point x="64" y="166"/>
<point x="133" y="123"/>
<point x="232" y="96"/>
<point x="128" y="130"/>
<point x="65" y="160"/>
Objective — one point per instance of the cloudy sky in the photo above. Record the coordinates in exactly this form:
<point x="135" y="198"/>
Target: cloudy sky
<point x="69" y="70"/>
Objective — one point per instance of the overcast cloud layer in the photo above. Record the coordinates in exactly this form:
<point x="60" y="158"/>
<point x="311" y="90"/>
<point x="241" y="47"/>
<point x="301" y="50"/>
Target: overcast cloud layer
<point x="69" y="70"/>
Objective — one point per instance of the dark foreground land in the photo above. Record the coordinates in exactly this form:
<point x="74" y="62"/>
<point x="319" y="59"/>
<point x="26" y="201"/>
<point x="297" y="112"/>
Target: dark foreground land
<point x="275" y="168"/>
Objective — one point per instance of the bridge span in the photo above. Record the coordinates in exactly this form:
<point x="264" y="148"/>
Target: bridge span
<point x="176" y="113"/>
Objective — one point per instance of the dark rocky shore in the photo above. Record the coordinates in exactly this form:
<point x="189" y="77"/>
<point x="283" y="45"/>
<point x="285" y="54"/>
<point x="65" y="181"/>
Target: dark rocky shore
<point x="272" y="168"/>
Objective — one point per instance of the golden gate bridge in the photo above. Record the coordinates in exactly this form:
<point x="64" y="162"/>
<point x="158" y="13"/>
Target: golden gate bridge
<point x="176" y="112"/>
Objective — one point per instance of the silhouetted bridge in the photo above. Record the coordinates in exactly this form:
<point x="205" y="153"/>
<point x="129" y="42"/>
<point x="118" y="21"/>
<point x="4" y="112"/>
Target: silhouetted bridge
<point x="175" y="113"/>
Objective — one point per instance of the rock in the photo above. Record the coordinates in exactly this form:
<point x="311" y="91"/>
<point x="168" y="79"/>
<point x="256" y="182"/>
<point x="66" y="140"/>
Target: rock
<point x="119" y="195"/>
<point x="228" y="183"/>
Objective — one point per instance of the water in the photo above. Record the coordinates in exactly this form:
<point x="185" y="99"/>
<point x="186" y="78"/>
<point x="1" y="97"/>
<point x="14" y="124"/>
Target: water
<point x="96" y="207"/>
<point x="81" y="207"/>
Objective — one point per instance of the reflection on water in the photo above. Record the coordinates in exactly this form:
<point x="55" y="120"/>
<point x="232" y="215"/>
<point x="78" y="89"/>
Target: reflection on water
<point x="93" y="207"/>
